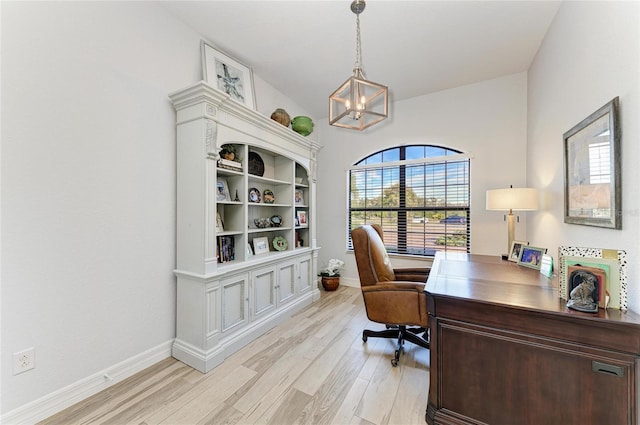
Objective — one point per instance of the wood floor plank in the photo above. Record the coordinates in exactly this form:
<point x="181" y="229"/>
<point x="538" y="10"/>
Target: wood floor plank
<point x="266" y="389"/>
<point x="202" y="404"/>
<point x="290" y="407"/>
<point x="378" y="399"/>
<point x="222" y="415"/>
<point x="122" y="395"/>
<point x="320" y="368"/>
<point x="412" y="392"/>
<point x="313" y="368"/>
<point x="347" y="409"/>
<point x="326" y="401"/>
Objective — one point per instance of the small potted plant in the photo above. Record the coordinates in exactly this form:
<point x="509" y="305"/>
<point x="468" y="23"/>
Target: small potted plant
<point x="331" y="274"/>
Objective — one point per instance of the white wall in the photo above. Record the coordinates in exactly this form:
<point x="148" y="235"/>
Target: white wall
<point x="590" y="55"/>
<point x="486" y="119"/>
<point x="88" y="185"/>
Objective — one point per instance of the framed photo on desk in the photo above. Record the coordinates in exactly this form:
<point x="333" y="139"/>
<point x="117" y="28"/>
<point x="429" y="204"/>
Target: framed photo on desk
<point x="531" y="256"/>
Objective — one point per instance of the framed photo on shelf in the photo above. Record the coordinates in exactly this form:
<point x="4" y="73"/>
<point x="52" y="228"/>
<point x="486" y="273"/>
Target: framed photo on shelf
<point x="222" y="190"/>
<point x="514" y="252"/>
<point x="219" y="223"/>
<point x="260" y="245"/>
<point x="611" y="262"/>
<point x="299" y="199"/>
<point x="227" y="74"/>
<point x="592" y="192"/>
<point x="302" y="218"/>
<point x="531" y="256"/>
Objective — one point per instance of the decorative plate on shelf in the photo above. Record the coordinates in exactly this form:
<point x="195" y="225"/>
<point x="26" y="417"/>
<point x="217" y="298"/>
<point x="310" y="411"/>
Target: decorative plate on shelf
<point x="256" y="164"/>
<point x="268" y="196"/>
<point x="276" y="220"/>
<point x="280" y="243"/>
<point x="254" y="195"/>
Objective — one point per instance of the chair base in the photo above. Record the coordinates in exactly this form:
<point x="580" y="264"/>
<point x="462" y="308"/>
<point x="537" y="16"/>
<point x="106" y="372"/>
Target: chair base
<point x="402" y="333"/>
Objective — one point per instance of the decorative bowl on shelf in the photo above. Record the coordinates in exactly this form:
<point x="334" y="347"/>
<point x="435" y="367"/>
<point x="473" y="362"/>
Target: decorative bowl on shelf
<point x="281" y="116"/>
<point x="262" y="223"/>
<point x="302" y="125"/>
<point x="276" y="220"/>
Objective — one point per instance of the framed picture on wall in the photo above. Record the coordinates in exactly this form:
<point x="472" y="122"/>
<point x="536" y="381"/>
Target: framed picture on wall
<point x="228" y="75"/>
<point x="592" y="193"/>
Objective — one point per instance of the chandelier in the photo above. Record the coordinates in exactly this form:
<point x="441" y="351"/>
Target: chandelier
<point x="358" y="103"/>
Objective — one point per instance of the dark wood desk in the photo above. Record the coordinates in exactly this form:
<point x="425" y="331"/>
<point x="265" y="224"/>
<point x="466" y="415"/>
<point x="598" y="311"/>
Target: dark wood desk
<point x="506" y="350"/>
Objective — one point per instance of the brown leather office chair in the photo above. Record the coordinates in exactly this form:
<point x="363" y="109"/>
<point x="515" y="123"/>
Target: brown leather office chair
<point x="394" y="297"/>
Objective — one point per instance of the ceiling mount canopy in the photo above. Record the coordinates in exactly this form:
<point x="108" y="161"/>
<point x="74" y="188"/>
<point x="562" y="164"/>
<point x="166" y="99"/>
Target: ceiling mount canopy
<point x="358" y="103"/>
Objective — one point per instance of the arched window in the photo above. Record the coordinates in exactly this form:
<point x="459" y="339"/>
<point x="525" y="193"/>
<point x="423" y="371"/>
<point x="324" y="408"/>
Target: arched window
<point x="419" y="194"/>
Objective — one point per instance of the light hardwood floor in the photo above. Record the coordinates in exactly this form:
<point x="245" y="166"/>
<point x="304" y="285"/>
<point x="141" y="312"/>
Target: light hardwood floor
<point x="311" y="369"/>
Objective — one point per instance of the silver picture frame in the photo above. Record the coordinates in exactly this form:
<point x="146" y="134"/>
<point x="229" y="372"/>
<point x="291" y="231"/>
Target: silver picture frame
<point x="592" y="176"/>
<point x="228" y="75"/>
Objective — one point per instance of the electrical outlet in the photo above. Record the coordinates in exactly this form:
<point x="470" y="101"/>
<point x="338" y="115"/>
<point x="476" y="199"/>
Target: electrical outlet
<point x="24" y="360"/>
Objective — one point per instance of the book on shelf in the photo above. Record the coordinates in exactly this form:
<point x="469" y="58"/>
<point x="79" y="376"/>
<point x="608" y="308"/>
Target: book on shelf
<point x="226" y="249"/>
<point x="229" y="165"/>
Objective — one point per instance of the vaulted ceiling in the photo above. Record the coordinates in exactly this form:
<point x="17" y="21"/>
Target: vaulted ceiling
<point x="306" y="49"/>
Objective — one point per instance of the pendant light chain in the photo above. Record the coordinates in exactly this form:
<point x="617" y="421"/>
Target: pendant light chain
<point x="358" y="64"/>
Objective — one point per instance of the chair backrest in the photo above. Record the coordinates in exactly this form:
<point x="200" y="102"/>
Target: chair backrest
<point x="371" y="256"/>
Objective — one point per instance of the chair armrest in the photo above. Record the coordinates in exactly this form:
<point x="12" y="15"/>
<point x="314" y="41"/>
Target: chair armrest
<point x="412" y="274"/>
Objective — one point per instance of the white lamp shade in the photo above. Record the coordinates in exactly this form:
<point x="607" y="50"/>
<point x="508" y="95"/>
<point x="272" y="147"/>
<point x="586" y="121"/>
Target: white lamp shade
<point x="515" y="198"/>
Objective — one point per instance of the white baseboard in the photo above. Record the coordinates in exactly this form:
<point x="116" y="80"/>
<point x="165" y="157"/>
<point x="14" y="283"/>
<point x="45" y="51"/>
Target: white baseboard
<point x="349" y="281"/>
<point x="53" y="403"/>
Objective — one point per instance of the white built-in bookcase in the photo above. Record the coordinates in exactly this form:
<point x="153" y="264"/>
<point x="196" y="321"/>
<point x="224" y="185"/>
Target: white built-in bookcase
<point x="225" y="303"/>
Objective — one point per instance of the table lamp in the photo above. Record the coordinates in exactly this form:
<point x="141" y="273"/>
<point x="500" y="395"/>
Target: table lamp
<point x="512" y="199"/>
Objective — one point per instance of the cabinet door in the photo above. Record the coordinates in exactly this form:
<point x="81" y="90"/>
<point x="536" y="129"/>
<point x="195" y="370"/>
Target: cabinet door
<point x="286" y="282"/>
<point x="513" y="378"/>
<point x="264" y="282"/>
<point x="234" y="302"/>
<point x="305" y="280"/>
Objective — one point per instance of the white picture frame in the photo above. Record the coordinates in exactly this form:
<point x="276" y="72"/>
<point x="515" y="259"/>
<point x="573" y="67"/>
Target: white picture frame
<point x="616" y="260"/>
<point x="531" y="256"/>
<point x="302" y="218"/>
<point x="514" y="251"/>
<point x="260" y="245"/>
<point x="219" y="223"/>
<point x="227" y="75"/>
<point x="222" y="190"/>
<point x="299" y="197"/>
